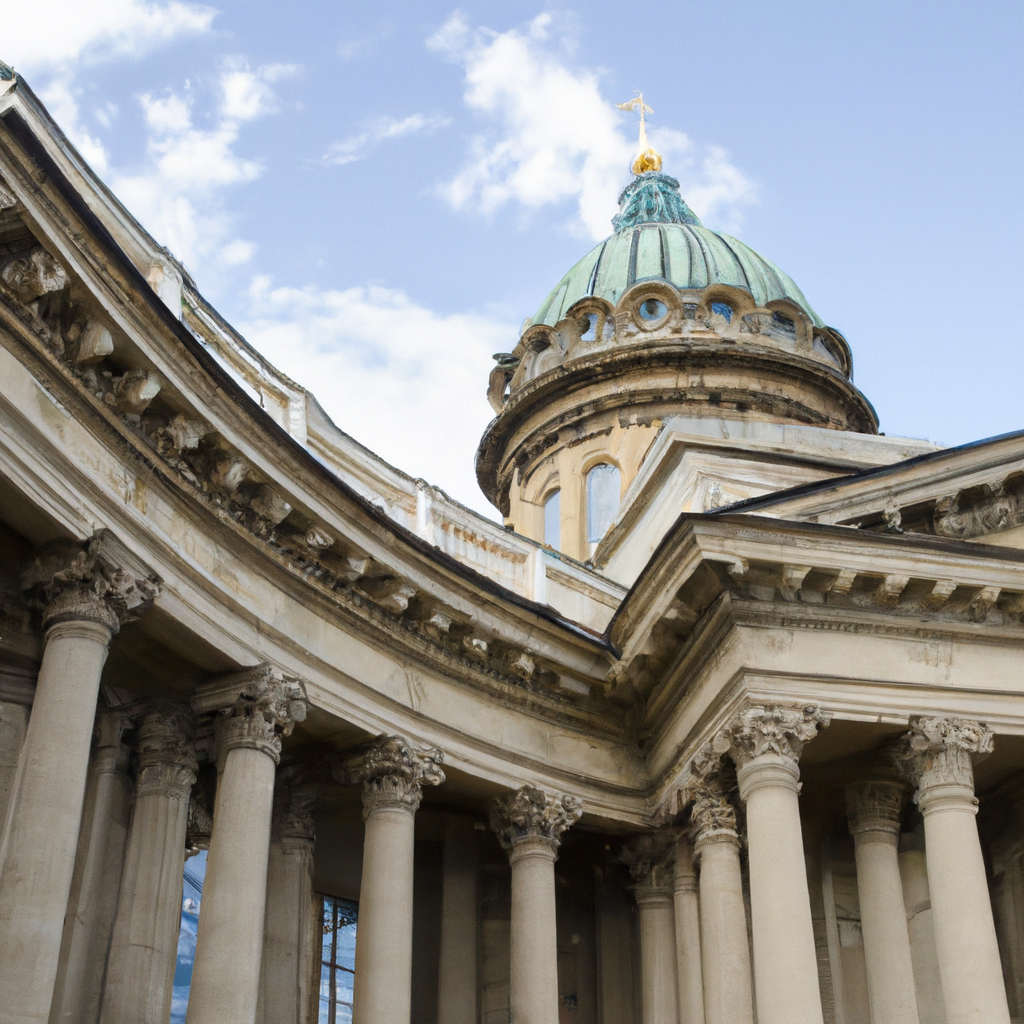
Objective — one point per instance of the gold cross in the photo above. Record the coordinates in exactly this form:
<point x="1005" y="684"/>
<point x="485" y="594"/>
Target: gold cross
<point x="648" y="159"/>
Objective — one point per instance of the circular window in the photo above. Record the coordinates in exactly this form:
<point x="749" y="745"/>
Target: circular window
<point x="652" y="309"/>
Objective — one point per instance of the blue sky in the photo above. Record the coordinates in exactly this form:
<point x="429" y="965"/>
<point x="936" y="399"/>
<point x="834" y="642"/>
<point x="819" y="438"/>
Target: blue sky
<point x="378" y="194"/>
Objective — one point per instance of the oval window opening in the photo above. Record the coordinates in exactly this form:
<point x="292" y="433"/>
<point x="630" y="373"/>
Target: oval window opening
<point x="652" y="309"/>
<point x="603" y="490"/>
<point x="722" y="309"/>
<point x="588" y="327"/>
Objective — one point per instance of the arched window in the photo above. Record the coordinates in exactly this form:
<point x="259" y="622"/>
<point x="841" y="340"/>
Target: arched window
<point x="553" y="520"/>
<point x="603" y="486"/>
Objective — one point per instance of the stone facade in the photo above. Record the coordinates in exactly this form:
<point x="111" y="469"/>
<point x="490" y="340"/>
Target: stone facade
<point x="754" y="762"/>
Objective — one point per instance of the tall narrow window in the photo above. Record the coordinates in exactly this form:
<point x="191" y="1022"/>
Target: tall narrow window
<point x="553" y="520"/>
<point x="338" y="961"/>
<point x="603" y="485"/>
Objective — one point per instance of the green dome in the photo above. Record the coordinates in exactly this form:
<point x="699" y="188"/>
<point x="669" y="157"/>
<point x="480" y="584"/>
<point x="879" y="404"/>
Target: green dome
<point x="658" y="238"/>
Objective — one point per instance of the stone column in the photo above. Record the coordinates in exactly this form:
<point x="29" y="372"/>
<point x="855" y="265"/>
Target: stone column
<point x="687" y="915"/>
<point x="17" y="688"/>
<point x="393" y="775"/>
<point x="529" y="824"/>
<point x="724" y="946"/>
<point x="87" y="594"/>
<point x="229" y="946"/>
<point x="92" y="905"/>
<point x="143" y="953"/>
<point x="766" y="743"/>
<point x="873" y="808"/>
<point x="291" y="937"/>
<point x="650" y="858"/>
<point x="937" y="756"/>
<point x="456" y="980"/>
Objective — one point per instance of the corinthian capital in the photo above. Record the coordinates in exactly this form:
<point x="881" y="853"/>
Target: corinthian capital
<point x="533" y="813"/>
<point x="650" y="857"/>
<point x="261" y="692"/>
<point x="941" y="751"/>
<point x="709" y="790"/>
<point x="96" y="582"/>
<point x="873" y="810"/>
<point x="294" y="828"/>
<point x="393" y="773"/>
<point x="770" y="729"/>
<point x="167" y="755"/>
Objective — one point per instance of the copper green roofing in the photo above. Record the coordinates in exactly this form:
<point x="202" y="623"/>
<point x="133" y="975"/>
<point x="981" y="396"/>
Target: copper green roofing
<point x="658" y="238"/>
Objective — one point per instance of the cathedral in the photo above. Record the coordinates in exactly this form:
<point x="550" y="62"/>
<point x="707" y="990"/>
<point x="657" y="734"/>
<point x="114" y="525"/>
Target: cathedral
<point x="720" y="725"/>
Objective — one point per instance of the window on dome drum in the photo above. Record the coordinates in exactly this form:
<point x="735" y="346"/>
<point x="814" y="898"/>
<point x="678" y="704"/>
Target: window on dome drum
<point x="553" y="520"/>
<point x="603" y="487"/>
<point x="786" y="325"/>
<point x="722" y="309"/>
<point x="652" y="309"/>
<point x="337" y="960"/>
<point x="588" y="327"/>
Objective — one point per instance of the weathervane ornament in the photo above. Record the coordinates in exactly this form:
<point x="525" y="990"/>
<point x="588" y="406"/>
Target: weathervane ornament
<point x="647" y="159"/>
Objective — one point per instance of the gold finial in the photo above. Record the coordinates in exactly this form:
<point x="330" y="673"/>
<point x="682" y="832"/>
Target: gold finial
<point x="647" y="159"/>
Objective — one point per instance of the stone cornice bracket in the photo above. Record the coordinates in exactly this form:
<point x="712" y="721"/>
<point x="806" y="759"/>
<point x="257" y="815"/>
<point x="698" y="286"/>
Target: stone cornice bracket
<point x="873" y="810"/>
<point x="254" y="708"/>
<point x="97" y="582"/>
<point x="939" y="753"/>
<point x="650" y="857"/>
<point x="392" y="773"/>
<point x="166" y="745"/>
<point x="533" y="814"/>
<point x="713" y="817"/>
<point x="770" y="729"/>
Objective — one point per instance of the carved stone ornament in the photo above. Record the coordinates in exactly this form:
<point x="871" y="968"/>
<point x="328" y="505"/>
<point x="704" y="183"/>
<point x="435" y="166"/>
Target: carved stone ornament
<point x="30" y="275"/>
<point x="533" y="813"/>
<point x="7" y="197"/>
<point x="998" y="511"/>
<point x="941" y="751"/>
<point x="167" y="755"/>
<point x="770" y="729"/>
<point x="707" y="788"/>
<point x="650" y="857"/>
<point x="873" y="809"/>
<point x="255" y="708"/>
<point x="199" y="828"/>
<point x="92" y="582"/>
<point x="393" y="773"/>
<point x="293" y="826"/>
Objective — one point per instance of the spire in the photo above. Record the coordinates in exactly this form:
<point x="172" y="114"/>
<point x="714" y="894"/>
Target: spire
<point x="647" y="158"/>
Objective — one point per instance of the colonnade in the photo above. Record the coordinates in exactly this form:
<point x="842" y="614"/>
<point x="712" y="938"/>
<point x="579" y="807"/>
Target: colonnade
<point x="698" y="965"/>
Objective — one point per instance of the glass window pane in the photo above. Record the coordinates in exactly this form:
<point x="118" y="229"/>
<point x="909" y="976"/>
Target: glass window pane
<point x="603" y="486"/>
<point x="192" y="896"/>
<point x="553" y="520"/>
<point x="344" y="1014"/>
<point x="346" y="952"/>
<point x="343" y="987"/>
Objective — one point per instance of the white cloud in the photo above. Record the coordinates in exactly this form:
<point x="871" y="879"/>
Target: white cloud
<point x="178" y="194"/>
<point x="555" y="138"/>
<point x="68" y="32"/>
<point x="395" y="375"/>
<point x="355" y="147"/>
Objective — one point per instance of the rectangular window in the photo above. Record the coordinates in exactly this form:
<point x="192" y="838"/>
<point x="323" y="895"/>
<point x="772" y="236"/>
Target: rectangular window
<point x="337" y="960"/>
<point x="553" y="520"/>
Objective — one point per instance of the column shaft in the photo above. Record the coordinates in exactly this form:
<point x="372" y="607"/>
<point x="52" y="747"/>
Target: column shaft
<point x="725" y="949"/>
<point x="658" y="968"/>
<point x="383" y="981"/>
<point x="785" y="960"/>
<point x="143" y="952"/>
<point x="937" y="756"/>
<point x="874" y="811"/>
<point x="292" y="934"/>
<point x="226" y="976"/>
<point x="688" y="944"/>
<point x="37" y="859"/>
<point x="92" y="905"/>
<point x="533" y="974"/>
<point x="965" y="935"/>
<point x="457" y="972"/>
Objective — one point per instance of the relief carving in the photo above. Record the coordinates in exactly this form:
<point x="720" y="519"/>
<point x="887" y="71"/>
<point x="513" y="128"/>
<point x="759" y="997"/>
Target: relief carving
<point x="710" y="791"/>
<point x="650" y="857"/>
<point x="998" y="511"/>
<point x="166" y="746"/>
